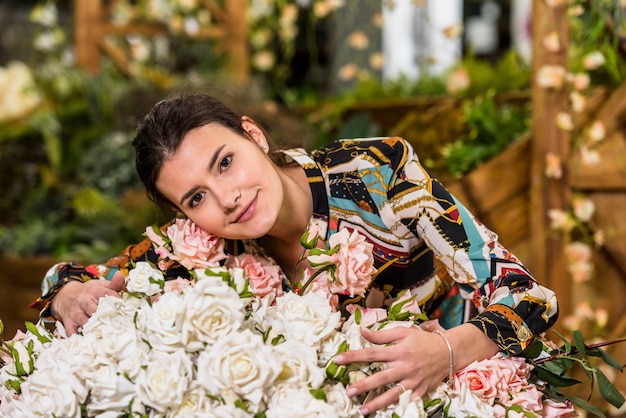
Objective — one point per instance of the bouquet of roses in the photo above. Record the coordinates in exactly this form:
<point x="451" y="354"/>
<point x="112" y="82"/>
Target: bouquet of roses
<point x="231" y="342"/>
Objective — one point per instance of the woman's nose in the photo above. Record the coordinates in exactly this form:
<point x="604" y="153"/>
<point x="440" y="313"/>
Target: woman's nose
<point x="229" y="197"/>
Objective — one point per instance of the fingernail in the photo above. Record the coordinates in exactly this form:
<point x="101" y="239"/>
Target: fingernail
<point x="351" y="392"/>
<point x="364" y="411"/>
<point x="339" y="359"/>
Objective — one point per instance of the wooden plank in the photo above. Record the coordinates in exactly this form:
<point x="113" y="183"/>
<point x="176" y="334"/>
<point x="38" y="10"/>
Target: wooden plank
<point x="237" y="40"/>
<point x="609" y="218"/>
<point x="609" y="173"/>
<point x="510" y="219"/>
<point x="87" y="33"/>
<point x="500" y="179"/>
<point x="548" y="259"/>
<point x="20" y="281"/>
<point x="611" y="111"/>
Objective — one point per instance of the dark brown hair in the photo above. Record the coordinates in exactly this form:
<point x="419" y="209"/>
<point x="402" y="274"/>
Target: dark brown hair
<point x="162" y="130"/>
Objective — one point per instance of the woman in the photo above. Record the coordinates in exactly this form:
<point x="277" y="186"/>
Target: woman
<point x="197" y="156"/>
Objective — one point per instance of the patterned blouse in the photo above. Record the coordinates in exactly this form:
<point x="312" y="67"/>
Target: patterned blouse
<point x="423" y="238"/>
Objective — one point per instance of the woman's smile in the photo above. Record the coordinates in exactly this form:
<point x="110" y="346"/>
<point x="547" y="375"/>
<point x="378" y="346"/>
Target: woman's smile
<point x="248" y="211"/>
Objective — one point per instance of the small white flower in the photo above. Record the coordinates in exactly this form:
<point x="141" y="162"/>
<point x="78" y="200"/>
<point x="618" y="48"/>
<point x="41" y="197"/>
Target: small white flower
<point x="593" y="60"/>
<point x="144" y="278"/>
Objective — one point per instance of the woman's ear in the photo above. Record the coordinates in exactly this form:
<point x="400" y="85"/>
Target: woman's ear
<point x="255" y="132"/>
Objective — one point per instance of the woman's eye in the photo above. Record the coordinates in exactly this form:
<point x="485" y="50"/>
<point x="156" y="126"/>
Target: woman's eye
<point x="195" y="200"/>
<point x="226" y="162"/>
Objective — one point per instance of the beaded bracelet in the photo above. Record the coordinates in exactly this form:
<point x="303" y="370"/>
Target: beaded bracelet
<point x="451" y="365"/>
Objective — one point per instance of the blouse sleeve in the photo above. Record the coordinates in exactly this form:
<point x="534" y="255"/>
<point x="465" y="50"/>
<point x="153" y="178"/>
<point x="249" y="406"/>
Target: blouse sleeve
<point x="512" y="307"/>
<point x="61" y="273"/>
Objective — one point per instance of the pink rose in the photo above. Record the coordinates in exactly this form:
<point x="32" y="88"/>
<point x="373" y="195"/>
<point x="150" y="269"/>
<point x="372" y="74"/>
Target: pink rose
<point x="194" y="247"/>
<point x="553" y="409"/>
<point x="311" y="235"/>
<point x="528" y="397"/>
<point x="172" y="286"/>
<point x="161" y="246"/>
<point x="496" y="378"/>
<point x="265" y="276"/>
<point x="407" y="302"/>
<point x="320" y="286"/>
<point x="7" y="358"/>
<point x="481" y="380"/>
<point x="352" y="257"/>
<point x="369" y="316"/>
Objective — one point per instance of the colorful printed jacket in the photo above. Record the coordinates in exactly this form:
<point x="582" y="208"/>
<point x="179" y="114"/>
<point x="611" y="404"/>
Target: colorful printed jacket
<point x="424" y="240"/>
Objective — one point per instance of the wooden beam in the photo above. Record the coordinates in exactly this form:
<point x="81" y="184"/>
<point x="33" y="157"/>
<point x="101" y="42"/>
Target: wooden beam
<point x="547" y="261"/>
<point x="237" y="40"/>
<point x="87" y="33"/>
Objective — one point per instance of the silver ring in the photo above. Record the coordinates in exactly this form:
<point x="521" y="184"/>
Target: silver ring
<point x="401" y="387"/>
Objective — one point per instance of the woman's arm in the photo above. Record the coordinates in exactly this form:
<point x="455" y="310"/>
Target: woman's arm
<point x="512" y="306"/>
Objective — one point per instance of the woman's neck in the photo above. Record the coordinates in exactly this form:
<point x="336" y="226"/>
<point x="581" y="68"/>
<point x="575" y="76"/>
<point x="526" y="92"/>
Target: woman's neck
<point x="283" y="242"/>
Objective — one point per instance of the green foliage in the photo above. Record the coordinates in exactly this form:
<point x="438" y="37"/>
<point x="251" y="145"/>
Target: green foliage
<point x="600" y="28"/>
<point x="553" y="366"/>
<point x="492" y="128"/>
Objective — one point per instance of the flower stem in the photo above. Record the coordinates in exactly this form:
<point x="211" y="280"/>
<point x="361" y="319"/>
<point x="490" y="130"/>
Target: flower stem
<point x="575" y="350"/>
<point x="308" y="282"/>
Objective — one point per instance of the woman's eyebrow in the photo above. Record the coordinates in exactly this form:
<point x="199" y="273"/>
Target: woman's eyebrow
<point x="214" y="158"/>
<point x="211" y="165"/>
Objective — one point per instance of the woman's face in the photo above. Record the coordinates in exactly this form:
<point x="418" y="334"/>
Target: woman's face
<point x="224" y="182"/>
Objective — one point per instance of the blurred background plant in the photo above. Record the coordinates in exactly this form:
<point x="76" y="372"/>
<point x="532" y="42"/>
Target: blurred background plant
<point x="69" y="187"/>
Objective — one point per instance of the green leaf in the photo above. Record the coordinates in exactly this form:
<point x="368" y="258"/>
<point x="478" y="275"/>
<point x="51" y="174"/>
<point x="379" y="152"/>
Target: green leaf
<point x="553" y="378"/>
<point x="586" y="406"/>
<point x="559" y="365"/>
<point x="608" y="390"/>
<point x="318" y="394"/>
<point x="520" y="410"/>
<point x="533" y="350"/>
<point x="33" y="329"/>
<point x="579" y="341"/>
<point x="608" y="359"/>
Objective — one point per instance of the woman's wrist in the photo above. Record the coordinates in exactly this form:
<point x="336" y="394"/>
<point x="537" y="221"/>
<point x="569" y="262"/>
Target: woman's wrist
<point x="450" y="378"/>
<point x="467" y="335"/>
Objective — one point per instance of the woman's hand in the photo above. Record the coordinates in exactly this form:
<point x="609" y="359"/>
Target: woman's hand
<point x="416" y="359"/>
<point x="76" y="302"/>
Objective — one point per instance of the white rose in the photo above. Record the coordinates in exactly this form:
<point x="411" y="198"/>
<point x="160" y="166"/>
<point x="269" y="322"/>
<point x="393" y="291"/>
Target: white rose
<point x="299" y="365"/>
<point x="145" y="279"/>
<point x="110" y="392"/>
<point x="24" y="362"/>
<point x="239" y="361"/>
<point x="164" y="380"/>
<point x="118" y="342"/>
<point x="226" y="411"/>
<point x="466" y="403"/>
<point x="328" y="347"/>
<point x="298" y="403"/>
<point x="114" y="311"/>
<point x="162" y="329"/>
<point x="337" y="397"/>
<point x="307" y="318"/>
<point x="195" y="402"/>
<point x="211" y="310"/>
<point x="51" y="389"/>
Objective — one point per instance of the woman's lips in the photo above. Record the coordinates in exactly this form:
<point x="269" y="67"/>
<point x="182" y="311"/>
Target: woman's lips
<point x="247" y="212"/>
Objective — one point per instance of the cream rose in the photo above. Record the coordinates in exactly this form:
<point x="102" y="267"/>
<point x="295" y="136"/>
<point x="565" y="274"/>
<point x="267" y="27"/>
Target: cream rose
<point x="239" y="361"/>
<point x="164" y="379"/>
<point x="211" y="310"/>
<point x="144" y="278"/>
<point x="306" y="318"/>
